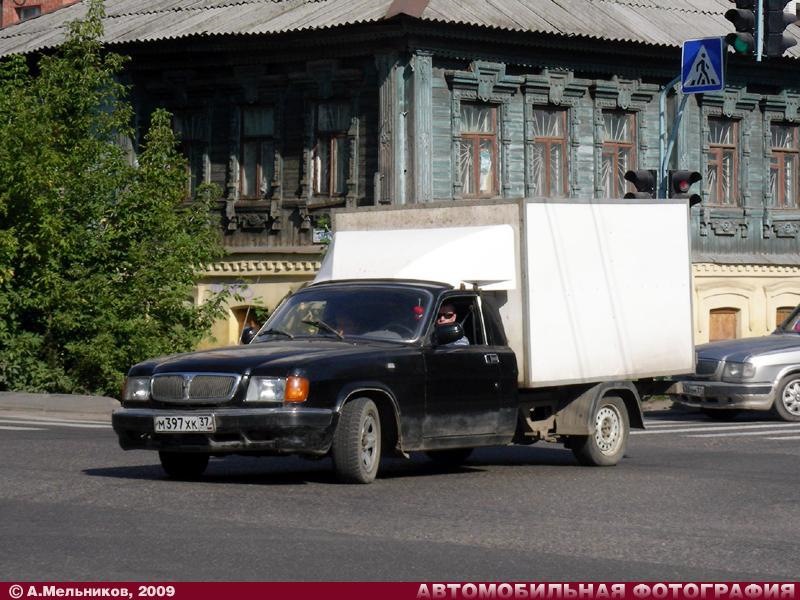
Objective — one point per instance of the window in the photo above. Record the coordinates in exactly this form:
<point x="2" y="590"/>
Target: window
<point x="618" y="151"/>
<point x="331" y="157"/>
<point x="257" y="152"/>
<point x="723" y="324"/>
<point x="782" y="313"/>
<point x="723" y="160"/>
<point x="477" y="153"/>
<point x="783" y="167"/>
<point x="468" y="314"/>
<point x="190" y="128"/>
<point x="549" y="152"/>
<point x="28" y="12"/>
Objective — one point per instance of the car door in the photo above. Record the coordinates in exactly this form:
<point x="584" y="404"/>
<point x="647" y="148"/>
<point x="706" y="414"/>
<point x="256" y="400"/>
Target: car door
<point x="463" y="381"/>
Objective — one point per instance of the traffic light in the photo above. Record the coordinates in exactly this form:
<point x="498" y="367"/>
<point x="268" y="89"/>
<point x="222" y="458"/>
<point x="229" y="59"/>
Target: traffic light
<point x="679" y="183"/>
<point x="776" y="42"/>
<point x="644" y="181"/>
<point x="743" y="18"/>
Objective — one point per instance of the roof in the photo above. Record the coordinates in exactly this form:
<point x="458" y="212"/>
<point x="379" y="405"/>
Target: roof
<point x="665" y="23"/>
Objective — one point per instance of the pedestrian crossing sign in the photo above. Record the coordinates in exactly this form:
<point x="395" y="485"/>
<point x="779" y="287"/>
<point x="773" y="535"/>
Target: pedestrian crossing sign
<point x="702" y="65"/>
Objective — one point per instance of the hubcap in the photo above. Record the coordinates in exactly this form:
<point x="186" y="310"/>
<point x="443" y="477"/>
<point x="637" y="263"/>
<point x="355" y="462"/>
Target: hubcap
<point x="791" y="397"/>
<point x="608" y="429"/>
<point x="369" y="440"/>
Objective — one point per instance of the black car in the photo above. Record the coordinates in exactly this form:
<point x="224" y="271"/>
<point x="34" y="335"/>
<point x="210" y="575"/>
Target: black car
<point x="351" y="369"/>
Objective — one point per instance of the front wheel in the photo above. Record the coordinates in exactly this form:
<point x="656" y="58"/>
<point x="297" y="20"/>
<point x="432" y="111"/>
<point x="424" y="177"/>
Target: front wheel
<point x="357" y="442"/>
<point x="787" y="400"/>
<point x="183" y="465"/>
<point x="606" y="445"/>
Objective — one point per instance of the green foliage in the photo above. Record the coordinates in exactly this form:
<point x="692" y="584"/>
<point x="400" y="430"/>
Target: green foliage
<point x="98" y="256"/>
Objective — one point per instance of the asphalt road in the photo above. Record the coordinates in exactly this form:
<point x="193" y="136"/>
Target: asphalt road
<point x="692" y="500"/>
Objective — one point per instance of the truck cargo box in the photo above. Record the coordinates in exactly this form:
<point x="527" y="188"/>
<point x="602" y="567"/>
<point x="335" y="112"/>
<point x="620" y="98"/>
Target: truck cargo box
<point x="589" y="290"/>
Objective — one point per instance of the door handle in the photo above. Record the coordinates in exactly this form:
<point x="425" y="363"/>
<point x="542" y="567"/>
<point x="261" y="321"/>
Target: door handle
<point x="491" y="359"/>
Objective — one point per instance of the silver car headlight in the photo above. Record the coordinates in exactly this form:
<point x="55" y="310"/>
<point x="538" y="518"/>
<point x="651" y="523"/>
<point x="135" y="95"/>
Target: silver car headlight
<point x="266" y="389"/>
<point x="137" y="389"/>
<point x="735" y="371"/>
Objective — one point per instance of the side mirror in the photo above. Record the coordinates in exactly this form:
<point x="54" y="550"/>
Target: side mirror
<point x="247" y="335"/>
<point x="447" y="334"/>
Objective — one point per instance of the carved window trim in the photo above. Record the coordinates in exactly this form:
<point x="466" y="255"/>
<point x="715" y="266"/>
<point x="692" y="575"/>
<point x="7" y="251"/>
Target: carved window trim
<point x="778" y="222"/>
<point x="555" y="90"/>
<point x="485" y="83"/>
<point x="627" y="95"/>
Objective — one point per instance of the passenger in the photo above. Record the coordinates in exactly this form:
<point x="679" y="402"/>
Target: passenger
<point x="447" y="316"/>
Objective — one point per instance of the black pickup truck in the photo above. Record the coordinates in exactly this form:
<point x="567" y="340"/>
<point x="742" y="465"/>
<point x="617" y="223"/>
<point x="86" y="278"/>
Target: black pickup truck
<point x="354" y="369"/>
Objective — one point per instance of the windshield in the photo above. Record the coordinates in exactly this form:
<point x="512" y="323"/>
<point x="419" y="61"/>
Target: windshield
<point x="384" y="313"/>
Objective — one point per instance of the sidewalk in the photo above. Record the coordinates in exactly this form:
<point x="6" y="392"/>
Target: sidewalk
<point x="99" y="408"/>
<point x="58" y="406"/>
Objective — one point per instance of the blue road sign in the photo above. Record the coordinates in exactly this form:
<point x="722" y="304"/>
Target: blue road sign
<point x="702" y="65"/>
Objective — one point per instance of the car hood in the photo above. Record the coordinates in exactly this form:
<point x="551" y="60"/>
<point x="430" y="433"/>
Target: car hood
<point x="740" y="349"/>
<point x="248" y="358"/>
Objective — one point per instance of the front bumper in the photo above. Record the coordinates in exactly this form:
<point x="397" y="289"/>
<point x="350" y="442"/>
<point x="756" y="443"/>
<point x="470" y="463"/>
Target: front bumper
<point x="718" y="394"/>
<point x="259" y="430"/>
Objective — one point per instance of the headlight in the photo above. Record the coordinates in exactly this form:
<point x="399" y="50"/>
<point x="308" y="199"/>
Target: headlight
<point x="738" y="371"/>
<point x="277" y="389"/>
<point x="137" y="389"/>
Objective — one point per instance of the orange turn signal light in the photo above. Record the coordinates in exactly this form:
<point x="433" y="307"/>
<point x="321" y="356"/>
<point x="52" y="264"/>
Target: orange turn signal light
<point x="296" y="389"/>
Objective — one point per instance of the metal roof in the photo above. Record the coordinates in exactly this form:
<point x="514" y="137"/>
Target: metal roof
<point x="655" y="22"/>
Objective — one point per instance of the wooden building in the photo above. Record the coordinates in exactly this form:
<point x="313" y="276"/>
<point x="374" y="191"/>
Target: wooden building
<point x="297" y="107"/>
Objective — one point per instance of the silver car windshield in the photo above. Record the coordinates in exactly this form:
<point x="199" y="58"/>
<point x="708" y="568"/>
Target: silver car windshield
<point x="380" y="313"/>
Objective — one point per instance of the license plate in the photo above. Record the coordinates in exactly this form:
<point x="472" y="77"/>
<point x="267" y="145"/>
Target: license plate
<point x="694" y="390"/>
<point x="184" y="424"/>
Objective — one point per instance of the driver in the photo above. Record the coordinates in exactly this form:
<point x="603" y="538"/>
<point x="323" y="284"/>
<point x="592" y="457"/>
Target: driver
<point x="447" y="316"/>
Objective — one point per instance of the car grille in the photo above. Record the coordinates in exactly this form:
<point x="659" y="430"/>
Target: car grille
<point x="706" y="366"/>
<point x="191" y="388"/>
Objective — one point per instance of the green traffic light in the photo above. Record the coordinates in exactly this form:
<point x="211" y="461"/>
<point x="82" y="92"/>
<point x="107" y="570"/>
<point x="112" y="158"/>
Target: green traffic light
<point x="742" y="43"/>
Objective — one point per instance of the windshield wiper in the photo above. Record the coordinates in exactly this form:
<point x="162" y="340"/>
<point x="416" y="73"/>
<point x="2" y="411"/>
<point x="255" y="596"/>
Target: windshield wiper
<point x="276" y="332"/>
<point x="325" y="326"/>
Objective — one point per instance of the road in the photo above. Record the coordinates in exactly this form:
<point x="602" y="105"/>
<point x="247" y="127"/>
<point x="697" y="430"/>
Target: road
<point x="692" y="500"/>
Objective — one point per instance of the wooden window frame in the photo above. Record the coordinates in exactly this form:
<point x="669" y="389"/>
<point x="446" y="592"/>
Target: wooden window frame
<point x="716" y="154"/>
<point x="548" y="142"/>
<point x="331" y="139"/>
<point x="261" y="161"/>
<point x="475" y="139"/>
<point x="780" y="156"/>
<point x="612" y="148"/>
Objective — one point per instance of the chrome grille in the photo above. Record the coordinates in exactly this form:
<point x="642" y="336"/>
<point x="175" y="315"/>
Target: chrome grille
<point x="194" y="388"/>
<point x="168" y="387"/>
<point x="706" y="366"/>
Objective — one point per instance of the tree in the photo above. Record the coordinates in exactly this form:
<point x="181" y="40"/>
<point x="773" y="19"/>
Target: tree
<point x="98" y="255"/>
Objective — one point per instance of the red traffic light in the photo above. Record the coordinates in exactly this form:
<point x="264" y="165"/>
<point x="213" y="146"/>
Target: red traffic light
<point x="681" y="181"/>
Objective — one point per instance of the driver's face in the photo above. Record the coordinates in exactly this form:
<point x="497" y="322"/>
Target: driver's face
<point x="446" y="315"/>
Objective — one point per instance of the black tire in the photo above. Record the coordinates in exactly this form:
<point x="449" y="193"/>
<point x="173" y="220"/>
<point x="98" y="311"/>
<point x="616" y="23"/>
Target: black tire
<point x="787" y="398"/>
<point x="451" y="457"/>
<point x="356" y="446"/>
<point x="606" y="446"/>
<point x="183" y="465"/>
<point x="721" y="414"/>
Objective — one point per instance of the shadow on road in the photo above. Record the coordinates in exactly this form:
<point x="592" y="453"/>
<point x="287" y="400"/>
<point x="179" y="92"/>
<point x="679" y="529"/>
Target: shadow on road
<point x="248" y="470"/>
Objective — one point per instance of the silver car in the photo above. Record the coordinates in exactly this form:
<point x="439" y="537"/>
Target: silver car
<point x="760" y="373"/>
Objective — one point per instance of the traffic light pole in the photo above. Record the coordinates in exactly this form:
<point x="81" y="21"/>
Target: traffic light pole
<point x="665" y="145"/>
<point x="759" y="30"/>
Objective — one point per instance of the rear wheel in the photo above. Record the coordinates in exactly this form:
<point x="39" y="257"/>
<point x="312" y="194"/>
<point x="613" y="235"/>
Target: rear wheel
<point x="357" y="442"/>
<point x="449" y="458"/>
<point x="787" y="400"/>
<point x="606" y="446"/>
<point x="183" y="465"/>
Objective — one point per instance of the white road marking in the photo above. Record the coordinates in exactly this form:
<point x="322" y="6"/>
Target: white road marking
<point x="789" y="437"/>
<point x="9" y="428"/>
<point x="80" y="424"/>
<point x="738" y="433"/>
<point x="717" y="428"/>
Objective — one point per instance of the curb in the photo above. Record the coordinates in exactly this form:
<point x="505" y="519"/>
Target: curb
<point x="59" y="405"/>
